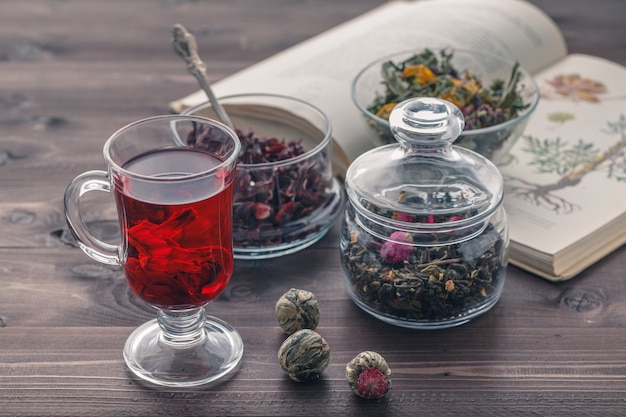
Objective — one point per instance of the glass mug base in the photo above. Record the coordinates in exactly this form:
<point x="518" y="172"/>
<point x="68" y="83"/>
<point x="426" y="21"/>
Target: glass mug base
<point x="212" y="356"/>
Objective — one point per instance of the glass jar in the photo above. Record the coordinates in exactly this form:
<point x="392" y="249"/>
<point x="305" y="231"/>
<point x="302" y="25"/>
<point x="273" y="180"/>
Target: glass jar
<point x="424" y="239"/>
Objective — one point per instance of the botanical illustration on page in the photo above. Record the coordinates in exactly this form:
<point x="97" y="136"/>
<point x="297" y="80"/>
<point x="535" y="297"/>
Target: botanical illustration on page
<point x="566" y="177"/>
<point x="570" y="160"/>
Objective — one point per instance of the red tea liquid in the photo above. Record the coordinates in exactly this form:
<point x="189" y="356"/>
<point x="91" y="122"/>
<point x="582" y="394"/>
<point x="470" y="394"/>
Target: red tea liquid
<point x="177" y="235"/>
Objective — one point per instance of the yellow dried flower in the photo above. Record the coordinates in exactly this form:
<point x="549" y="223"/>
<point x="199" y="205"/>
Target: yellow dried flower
<point x="385" y="110"/>
<point x="422" y="73"/>
<point x="463" y="91"/>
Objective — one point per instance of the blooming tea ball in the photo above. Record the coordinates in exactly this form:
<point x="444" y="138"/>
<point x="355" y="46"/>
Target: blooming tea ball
<point x="296" y="310"/>
<point x="304" y="355"/>
<point x="369" y="375"/>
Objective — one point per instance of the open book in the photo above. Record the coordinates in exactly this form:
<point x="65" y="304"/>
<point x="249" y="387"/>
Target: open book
<point x="557" y="228"/>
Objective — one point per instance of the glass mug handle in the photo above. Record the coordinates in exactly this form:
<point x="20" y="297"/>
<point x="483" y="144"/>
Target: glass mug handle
<point x="97" y="249"/>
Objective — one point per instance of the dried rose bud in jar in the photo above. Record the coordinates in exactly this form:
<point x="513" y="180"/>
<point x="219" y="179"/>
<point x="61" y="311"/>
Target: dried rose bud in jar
<point x="369" y="375"/>
<point x="296" y="310"/>
<point x="395" y="252"/>
<point x="304" y="355"/>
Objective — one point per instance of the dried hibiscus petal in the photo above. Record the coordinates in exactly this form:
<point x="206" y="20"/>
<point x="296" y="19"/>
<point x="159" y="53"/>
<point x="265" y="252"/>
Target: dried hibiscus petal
<point x="269" y="198"/>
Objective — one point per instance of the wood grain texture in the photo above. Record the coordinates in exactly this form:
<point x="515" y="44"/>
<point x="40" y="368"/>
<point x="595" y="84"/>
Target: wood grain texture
<point x="74" y="71"/>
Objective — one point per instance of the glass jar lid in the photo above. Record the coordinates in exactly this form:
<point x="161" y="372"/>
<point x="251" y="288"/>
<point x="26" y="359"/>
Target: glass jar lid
<point x="424" y="179"/>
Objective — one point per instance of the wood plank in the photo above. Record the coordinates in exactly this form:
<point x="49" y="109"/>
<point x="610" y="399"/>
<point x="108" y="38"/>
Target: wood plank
<point x="81" y="292"/>
<point x="440" y="374"/>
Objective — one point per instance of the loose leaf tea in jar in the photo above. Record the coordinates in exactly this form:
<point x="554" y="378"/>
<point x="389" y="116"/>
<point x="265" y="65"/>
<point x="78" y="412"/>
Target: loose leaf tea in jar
<point x="424" y="239"/>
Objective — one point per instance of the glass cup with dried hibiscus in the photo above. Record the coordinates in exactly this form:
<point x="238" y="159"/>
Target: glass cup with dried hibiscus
<point x="286" y="197"/>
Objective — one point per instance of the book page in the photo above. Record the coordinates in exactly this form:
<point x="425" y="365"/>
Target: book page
<point x="565" y="181"/>
<point x="321" y="69"/>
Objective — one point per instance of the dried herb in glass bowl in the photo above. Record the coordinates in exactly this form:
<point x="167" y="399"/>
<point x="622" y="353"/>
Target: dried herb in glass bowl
<point x="427" y="74"/>
<point x="495" y="95"/>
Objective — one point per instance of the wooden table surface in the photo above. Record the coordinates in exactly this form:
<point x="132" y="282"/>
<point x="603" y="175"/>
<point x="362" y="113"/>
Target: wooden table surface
<point x="74" y="71"/>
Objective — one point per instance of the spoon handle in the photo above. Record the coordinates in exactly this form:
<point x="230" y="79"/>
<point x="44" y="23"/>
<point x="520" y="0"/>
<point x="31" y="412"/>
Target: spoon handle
<point x="185" y="45"/>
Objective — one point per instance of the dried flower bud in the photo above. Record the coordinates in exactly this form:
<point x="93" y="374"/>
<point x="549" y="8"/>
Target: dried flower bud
<point x="395" y="252"/>
<point x="296" y="310"/>
<point x="368" y="375"/>
<point x="304" y="355"/>
<point x="262" y="211"/>
<point x="405" y="217"/>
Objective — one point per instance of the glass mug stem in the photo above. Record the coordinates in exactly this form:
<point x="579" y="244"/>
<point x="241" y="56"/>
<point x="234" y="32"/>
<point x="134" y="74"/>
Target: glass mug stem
<point x="182" y="328"/>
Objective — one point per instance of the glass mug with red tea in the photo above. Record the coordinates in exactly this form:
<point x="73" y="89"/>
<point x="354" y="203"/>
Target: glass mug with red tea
<point x="175" y="209"/>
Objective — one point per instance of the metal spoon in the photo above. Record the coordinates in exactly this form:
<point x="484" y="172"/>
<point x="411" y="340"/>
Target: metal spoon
<point x="185" y="45"/>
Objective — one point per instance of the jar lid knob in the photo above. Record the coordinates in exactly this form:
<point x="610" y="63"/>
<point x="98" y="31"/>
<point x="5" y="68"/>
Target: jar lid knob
<point x="426" y="122"/>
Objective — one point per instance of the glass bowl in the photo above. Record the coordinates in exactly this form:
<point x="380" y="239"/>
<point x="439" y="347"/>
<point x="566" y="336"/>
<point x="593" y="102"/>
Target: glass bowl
<point x="281" y="206"/>
<point x="493" y="142"/>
